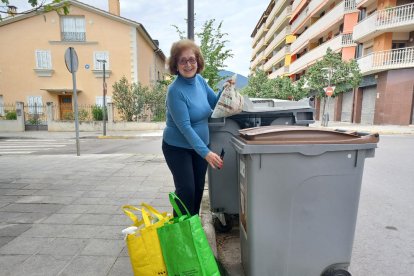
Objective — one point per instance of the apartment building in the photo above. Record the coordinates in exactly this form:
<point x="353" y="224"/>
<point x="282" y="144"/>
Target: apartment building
<point x="271" y="40"/>
<point x="32" y="48"/>
<point x="378" y="33"/>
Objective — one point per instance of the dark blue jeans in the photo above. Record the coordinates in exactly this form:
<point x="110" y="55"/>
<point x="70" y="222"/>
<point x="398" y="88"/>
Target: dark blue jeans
<point x="189" y="173"/>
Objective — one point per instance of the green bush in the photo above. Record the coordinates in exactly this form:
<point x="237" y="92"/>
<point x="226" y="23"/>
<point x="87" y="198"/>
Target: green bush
<point x="11" y="115"/>
<point x="97" y="113"/>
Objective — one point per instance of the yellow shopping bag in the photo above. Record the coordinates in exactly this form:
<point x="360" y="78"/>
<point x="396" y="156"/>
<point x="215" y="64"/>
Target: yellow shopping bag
<point x="143" y="245"/>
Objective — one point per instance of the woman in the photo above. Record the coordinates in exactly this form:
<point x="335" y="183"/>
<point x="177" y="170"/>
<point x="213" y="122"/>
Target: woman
<point x="186" y="137"/>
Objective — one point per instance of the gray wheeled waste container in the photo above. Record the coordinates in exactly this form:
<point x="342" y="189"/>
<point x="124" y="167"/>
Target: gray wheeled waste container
<point x="223" y="185"/>
<point x="299" y="194"/>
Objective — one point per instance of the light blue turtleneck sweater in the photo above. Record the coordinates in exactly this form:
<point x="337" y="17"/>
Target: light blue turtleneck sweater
<point x="189" y="105"/>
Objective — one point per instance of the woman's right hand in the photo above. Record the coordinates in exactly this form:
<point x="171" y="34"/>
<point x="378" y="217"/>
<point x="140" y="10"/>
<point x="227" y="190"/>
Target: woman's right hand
<point x="214" y="160"/>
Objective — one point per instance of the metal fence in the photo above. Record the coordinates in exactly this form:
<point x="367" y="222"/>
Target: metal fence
<point x="154" y="112"/>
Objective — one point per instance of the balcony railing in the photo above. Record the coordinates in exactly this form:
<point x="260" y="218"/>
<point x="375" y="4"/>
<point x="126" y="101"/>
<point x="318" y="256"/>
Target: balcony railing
<point x="312" y="6"/>
<point x="259" y="46"/>
<point x="73" y="36"/>
<point x="281" y="18"/>
<point x="256" y="61"/>
<point x="384" y="20"/>
<point x="276" y="9"/>
<point x="277" y="40"/>
<point x="347" y="40"/>
<point x="279" y="72"/>
<point x="350" y="5"/>
<point x="276" y="58"/>
<point x="386" y="60"/>
<point x="258" y="35"/>
<point x="333" y="16"/>
<point x="309" y="58"/>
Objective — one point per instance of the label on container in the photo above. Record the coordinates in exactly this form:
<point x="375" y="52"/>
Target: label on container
<point x="243" y="195"/>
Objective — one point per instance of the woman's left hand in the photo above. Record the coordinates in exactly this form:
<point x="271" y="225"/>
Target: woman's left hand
<point x="214" y="160"/>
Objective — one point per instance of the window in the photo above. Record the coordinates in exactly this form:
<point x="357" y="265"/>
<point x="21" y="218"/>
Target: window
<point x="100" y="55"/>
<point x="43" y="59"/>
<point x="73" y="28"/>
<point x="99" y="100"/>
<point x="35" y="105"/>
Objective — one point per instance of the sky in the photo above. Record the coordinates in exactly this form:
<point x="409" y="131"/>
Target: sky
<point x="239" y="19"/>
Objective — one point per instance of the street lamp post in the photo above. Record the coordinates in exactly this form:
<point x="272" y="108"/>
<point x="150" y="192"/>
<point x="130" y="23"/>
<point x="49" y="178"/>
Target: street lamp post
<point x="190" y="22"/>
<point x="104" y="97"/>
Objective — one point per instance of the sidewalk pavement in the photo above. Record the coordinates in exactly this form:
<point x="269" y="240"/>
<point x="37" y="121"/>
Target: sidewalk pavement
<point x="61" y="214"/>
<point x="381" y="129"/>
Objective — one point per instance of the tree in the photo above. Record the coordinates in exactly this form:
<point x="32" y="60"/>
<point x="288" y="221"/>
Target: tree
<point x="260" y="86"/>
<point x="128" y="98"/>
<point x="213" y="48"/>
<point x="60" y="6"/>
<point x="333" y="71"/>
<point x="344" y="75"/>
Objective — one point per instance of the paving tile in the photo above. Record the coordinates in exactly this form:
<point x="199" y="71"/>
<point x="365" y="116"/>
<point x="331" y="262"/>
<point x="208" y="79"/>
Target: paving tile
<point x="5" y="240"/>
<point x="74" y="209"/>
<point x="46" y="199"/>
<point x="27" y="217"/>
<point x="25" y="245"/>
<point x="92" y="219"/>
<point x="61" y="218"/>
<point x="20" y="192"/>
<point x="13" y="230"/>
<point x="42" y="265"/>
<point x="64" y="246"/>
<point x="89" y="266"/>
<point x="9" y="263"/>
<point x="122" y="267"/>
<point x="94" y="201"/>
<point x="103" y="247"/>
<point x="32" y="208"/>
<point x="121" y="220"/>
<point x="9" y="198"/>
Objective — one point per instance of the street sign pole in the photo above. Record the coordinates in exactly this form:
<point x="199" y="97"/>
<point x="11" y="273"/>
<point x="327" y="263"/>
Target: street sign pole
<point x="104" y="101"/>
<point x="71" y="60"/>
<point x="190" y="20"/>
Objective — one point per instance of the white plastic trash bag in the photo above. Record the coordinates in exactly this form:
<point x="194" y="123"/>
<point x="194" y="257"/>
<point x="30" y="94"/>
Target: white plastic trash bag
<point x="230" y="102"/>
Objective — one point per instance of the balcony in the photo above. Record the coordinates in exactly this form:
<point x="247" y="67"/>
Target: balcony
<point x="309" y="10"/>
<point x="278" y="22"/>
<point x="256" y="61"/>
<point x="309" y="58"/>
<point x="276" y="9"/>
<point x="386" y="60"/>
<point x="329" y="19"/>
<point x="397" y="19"/>
<point x="276" y="58"/>
<point x="259" y="46"/>
<point x="284" y="70"/>
<point x="258" y="35"/>
<point x="73" y="36"/>
<point x="347" y="40"/>
<point x="277" y="40"/>
<point x="350" y="5"/>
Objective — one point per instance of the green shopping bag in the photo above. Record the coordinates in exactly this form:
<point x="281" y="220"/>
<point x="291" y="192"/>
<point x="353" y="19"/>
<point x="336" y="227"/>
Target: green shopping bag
<point x="184" y="245"/>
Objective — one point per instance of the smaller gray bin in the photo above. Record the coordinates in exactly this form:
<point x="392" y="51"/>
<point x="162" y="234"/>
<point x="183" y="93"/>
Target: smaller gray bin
<point x="299" y="192"/>
<point x="223" y="185"/>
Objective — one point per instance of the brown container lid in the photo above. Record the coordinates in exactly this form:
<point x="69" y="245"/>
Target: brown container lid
<point x="288" y="135"/>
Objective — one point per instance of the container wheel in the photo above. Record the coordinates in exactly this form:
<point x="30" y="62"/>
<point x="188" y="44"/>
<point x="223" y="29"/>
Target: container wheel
<point x="220" y="227"/>
<point x="337" y="272"/>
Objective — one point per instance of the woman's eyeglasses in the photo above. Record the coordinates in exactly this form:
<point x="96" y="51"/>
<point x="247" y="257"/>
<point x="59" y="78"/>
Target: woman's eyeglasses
<point x="184" y="61"/>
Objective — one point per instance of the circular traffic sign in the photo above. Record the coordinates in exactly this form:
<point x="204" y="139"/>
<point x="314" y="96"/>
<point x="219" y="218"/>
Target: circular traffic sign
<point x="71" y="60"/>
<point x="329" y="91"/>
